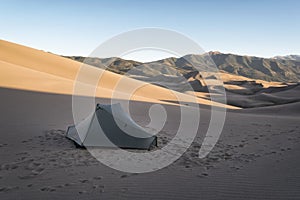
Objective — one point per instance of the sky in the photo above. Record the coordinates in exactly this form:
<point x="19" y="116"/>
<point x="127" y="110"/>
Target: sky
<point x="246" y="27"/>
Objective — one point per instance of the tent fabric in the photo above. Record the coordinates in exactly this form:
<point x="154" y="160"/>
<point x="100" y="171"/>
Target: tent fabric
<point x="110" y="126"/>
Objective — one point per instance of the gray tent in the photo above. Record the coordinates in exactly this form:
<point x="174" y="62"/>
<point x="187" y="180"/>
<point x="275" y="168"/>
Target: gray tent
<point x="118" y="130"/>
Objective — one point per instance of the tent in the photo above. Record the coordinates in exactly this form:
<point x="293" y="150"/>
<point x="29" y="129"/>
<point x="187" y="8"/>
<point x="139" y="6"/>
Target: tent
<point x="103" y="129"/>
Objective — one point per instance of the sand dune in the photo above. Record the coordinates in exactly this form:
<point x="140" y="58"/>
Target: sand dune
<point x="15" y="76"/>
<point x="288" y="109"/>
<point x="22" y="64"/>
<point x="30" y="69"/>
<point x="265" y="96"/>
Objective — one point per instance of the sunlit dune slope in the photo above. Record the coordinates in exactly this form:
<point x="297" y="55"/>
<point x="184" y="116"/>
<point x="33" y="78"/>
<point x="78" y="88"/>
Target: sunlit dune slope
<point x="30" y="69"/>
<point x="15" y="76"/>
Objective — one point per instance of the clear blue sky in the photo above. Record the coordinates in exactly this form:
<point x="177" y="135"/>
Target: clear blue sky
<point x="252" y="27"/>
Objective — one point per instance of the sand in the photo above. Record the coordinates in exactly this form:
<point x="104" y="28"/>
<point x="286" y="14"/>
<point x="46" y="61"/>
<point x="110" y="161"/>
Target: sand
<point x="255" y="158"/>
<point x="20" y="65"/>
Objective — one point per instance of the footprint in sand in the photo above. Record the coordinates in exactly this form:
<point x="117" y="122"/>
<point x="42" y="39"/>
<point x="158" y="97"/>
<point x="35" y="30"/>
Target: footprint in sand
<point x="98" y="187"/>
<point x="203" y="175"/>
<point x="38" y="171"/>
<point x="25" y="177"/>
<point x="124" y="176"/>
<point x="3" y="145"/>
<point x="25" y="141"/>
<point x="8" y="188"/>
<point x="48" y="189"/>
<point x="24" y="153"/>
<point x="82" y="192"/>
<point x="83" y="181"/>
<point x="97" y="178"/>
<point x="35" y="170"/>
<point x="69" y="184"/>
<point x="9" y="166"/>
<point x="33" y="165"/>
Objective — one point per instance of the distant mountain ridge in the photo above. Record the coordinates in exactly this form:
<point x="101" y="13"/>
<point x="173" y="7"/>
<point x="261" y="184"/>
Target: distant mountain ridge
<point x="288" y="57"/>
<point x="268" y="69"/>
<point x="281" y="69"/>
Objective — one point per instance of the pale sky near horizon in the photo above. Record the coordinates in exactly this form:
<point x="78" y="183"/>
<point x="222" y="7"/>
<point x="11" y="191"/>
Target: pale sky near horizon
<point x="262" y="28"/>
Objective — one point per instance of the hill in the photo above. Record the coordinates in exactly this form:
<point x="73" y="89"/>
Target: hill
<point x="288" y="57"/>
<point x="268" y="69"/>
